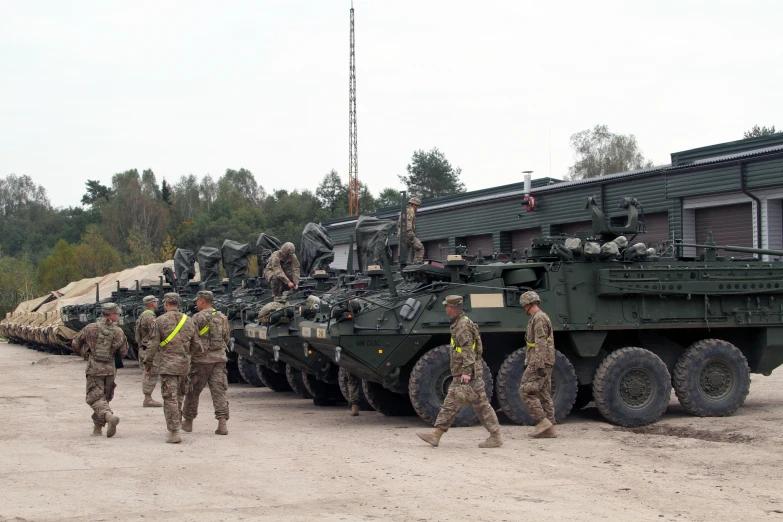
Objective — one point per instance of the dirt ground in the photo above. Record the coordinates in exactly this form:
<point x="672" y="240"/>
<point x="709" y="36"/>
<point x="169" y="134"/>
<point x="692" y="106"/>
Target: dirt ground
<point x="285" y="459"/>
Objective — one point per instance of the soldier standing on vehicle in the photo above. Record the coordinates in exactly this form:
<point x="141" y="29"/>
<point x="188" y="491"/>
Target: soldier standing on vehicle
<point x="208" y="366"/>
<point x="144" y="326"/>
<point x="282" y="270"/>
<point x="467" y="388"/>
<point x="174" y="341"/>
<point x="97" y="343"/>
<point x="409" y="237"/>
<point x="539" y="360"/>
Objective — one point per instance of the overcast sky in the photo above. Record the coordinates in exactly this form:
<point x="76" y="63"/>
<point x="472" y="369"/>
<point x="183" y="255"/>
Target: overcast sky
<point x="93" y="88"/>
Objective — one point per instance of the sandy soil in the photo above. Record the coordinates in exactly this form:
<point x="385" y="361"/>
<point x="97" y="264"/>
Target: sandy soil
<point x="285" y="459"/>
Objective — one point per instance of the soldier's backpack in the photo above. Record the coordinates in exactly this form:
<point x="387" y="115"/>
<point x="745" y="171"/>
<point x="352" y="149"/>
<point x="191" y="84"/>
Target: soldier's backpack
<point x="213" y="333"/>
<point x="102" y="351"/>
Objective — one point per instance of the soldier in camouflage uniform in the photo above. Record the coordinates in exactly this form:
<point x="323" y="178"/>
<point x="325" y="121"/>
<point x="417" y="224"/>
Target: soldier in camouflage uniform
<point x="354" y="385"/>
<point x="539" y="360"/>
<point x="208" y="366"/>
<point x="282" y="270"/>
<point x="414" y="245"/>
<point x="467" y="388"/>
<point x="144" y="326"/>
<point x="97" y="343"/>
<point x="276" y="304"/>
<point x="173" y="342"/>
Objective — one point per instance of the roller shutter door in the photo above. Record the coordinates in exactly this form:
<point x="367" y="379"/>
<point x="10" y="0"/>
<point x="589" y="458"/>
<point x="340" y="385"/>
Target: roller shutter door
<point x="395" y="254"/>
<point x="520" y="239"/>
<point x="341" y="257"/>
<point x="437" y="249"/>
<point x="570" y="229"/>
<point x="657" y="229"/>
<point x="730" y="224"/>
<point x="474" y="242"/>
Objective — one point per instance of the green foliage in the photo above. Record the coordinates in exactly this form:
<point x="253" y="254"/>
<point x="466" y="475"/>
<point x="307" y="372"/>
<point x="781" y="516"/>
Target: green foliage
<point x="60" y="267"/>
<point x="430" y="175"/>
<point x="757" y="132"/>
<point x="333" y="194"/>
<point x="165" y="192"/>
<point x="388" y="197"/>
<point x="601" y="152"/>
<point x="95" y="256"/>
<point x="95" y="193"/>
<point x="288" y="212"/>
<point x="17" y="282"/>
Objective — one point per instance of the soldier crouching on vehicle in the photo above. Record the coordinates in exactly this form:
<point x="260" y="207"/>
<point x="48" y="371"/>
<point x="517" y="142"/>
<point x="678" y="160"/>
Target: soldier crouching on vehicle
<point x="282" y="270"/>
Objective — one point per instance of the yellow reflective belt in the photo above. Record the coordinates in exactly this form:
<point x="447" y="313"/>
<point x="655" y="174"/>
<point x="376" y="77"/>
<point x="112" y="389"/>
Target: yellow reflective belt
<point x="458" y="349"/>
<point x="533" y="345"/>
<point x="173" y="334"/>
<point x="206" y="328"/>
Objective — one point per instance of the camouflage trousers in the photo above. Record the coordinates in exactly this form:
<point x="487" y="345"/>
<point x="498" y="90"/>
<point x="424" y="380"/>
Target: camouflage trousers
<point x="147" y="381"/>
<point x="278" y="285"/>
<point x="452" y="406"/>
<point x="173" y="389"/>
<point x="414" y="245"/>
<point x="100" y="392"/>
<point x="537" y="393"/>
<point x="354" y="389"/>
<point x="201" y="375"/>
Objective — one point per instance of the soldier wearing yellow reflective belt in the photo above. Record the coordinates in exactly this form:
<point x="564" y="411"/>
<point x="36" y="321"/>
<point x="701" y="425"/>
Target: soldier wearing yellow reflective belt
<point x="539" y="360"/>
<point x="174" y="340"/>
<point x="467" y="388"/>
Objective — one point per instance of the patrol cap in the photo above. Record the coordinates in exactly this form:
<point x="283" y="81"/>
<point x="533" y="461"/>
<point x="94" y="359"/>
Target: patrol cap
<point x="529" y="297"/>
<point x="171" y="298"/>
<point x="205" y="295"/>
<point x="148" y="299"/>
<point x="453" y="300"/>
<point x="288" y="248"/>
<point x="110" y="308"/>
<point x="415" y="201"/>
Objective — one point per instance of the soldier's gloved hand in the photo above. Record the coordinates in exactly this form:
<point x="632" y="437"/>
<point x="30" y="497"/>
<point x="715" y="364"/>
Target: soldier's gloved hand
<point x="291" y="285"/>
<point x="466" y="379"/>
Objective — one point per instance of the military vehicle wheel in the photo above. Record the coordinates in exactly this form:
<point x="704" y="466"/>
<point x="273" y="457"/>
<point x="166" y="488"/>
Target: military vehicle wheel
<point x="342" y="380"/>
<point x="296" y="382"/>
<point x="249" y="372"/>
<point x="584" y="396"/>
<point x="632" y="387"/>
<point x="386" y="401"/>
<point x="564" y="387"/>
<point x="429" y="383"/>
<point x="323" y="393"/>
<point x="232" y="368"/>
<point x="712" y="378"/>
<point x="273" y="380"/>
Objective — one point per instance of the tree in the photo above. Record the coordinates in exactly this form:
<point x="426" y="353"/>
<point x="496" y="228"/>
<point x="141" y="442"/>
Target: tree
<point x="599" y="152"/>
<point x="95" y="256"/>
<point x="332" y="194"/>
<point x="167" y="249"/>
<point x="140" y="251"/>
<point x="165" y="192"/>
<point x="95" y="193"/>
<point x="757" y="132"/>
<point x="185" y="201"/>
<point x="430" y="175"/>
<point x="59" y="268"/>
<point x="240" y="187"/>
<point x="208" y="190"/>
<point x="389" y="197"/>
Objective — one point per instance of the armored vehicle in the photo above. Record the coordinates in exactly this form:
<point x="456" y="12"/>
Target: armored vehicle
<point x="629" y="323"/>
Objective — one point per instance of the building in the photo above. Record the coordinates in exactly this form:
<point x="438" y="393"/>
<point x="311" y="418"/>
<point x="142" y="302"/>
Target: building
<point x="734" y="189"/>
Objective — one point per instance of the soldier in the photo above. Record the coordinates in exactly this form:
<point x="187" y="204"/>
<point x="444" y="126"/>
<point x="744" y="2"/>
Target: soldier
<point x="354" y="384"/>
<point x="467" y="388"/>
<point x="539" y="359"/>
<point x="174" y="340"/>
<point x="208" y="366"/>
<point x="276" y="304"/>
<point x="282" y="270"/>
<point x="144" y="327"/>
<point x="410" y="238"/>
<point x="97" y="343"/>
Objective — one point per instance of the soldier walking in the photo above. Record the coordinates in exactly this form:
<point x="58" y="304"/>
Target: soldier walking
<point x="354" y="385"/>
<point x="409" y="237"/>
<point x="144" y="327"/>
<point x="97" y="343"/>
<point x="174" y="341"/>
<point x="208" y="366"/>
<point x="467" y="388"/>
<point x="282" y="270"/>
<point x="539" y="360"/>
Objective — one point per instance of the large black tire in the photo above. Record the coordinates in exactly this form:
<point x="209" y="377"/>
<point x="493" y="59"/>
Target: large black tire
<point x="712" y="378"/>
<point x="386" y="401"/>
<point x="249" y="371"/>
<point x="429" y="383"/>
<point x="509" y="387"/>
<point x="232" y="369"/>
<point x="342" y="381"/>
<point x="296" y="382"/>
<point x="323" y="393"/>
<point x="584" y="396"/>
<point x="632" y="387"/>
<point x="273" y="380"/>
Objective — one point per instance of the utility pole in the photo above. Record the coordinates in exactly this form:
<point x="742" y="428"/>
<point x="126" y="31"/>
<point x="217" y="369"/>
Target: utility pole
<point x="353" y="148"/>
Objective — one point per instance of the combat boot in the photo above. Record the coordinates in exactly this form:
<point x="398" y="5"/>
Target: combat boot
<point x="433" y="438"/>
<point x="354" y="410"/>
<point x="187" y="425"/>
<point x="111" y="424"/>
<point x="149" y="403"/>
<point x="542" y="426"/>
<point x="97" y="430"/>
<point x="222" y="429"/>
<point x="174" y="437"/>
<point x="548" y="434"/>
<point x="494" y="440"/>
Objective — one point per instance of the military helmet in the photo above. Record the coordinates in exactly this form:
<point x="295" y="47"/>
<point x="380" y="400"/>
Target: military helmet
<point x="288" y="248"/>
<point x="415" y="201"/>
<point x="529" y="297"/>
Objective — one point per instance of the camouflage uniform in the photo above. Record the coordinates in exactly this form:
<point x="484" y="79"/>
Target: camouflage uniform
<point x="280" y="271"/>
<point x="412" y="242"/>
<point x="208" y="365"/>
<point x="466" y="359"/>
<point x="267" y="309"/>
<point x="353" y="389"/>
<point x="144" y="327"/>
<point x="539" y="360"/>
<point x="100" y="364"/>
<point x="172" y="356"/>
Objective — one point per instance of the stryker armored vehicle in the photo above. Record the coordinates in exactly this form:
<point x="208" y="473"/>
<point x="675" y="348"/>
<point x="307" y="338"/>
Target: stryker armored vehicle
<point x="629" y="323"/>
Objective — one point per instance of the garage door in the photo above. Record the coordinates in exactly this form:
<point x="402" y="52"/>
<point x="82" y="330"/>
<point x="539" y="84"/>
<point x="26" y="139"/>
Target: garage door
<point x="657" y="229"/>
<point x="341" y="257"/>
<point x="520" y="239"/>
<point x="474" y="242"/>
<point x="730" y="224"/>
